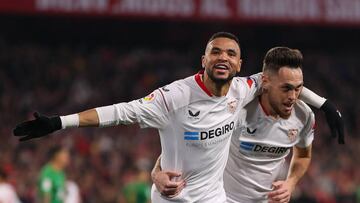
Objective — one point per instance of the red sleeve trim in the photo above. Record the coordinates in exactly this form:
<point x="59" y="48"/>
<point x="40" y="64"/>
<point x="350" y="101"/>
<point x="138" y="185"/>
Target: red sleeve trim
<point x="249" y="82"/>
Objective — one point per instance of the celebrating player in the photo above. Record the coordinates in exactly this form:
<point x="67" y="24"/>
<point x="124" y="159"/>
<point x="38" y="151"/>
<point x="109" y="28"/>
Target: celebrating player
<point x="274" y="123"/>
<point x="195" y="118"/>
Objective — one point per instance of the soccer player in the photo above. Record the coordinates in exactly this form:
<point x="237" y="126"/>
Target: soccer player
<point x="7" y="191"/>
<point x="52" y="177"/>
<point x="274" y="123"/>
<point x="195" y="117"/>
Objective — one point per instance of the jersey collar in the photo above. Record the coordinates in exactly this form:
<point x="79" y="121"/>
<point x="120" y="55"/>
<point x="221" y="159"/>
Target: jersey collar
<point x="201" y="83"/>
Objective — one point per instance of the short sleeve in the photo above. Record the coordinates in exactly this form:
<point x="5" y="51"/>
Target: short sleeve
<point x="45" y="185"/>
<point x="152" y="110"/>
<point x="253" y="87"/>
<point x="307" y="134"/>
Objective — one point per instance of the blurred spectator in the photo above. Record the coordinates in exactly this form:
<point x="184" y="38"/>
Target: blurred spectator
<point x="7" y="192"/>
<point x="138" y="189"/>
<point x="52" y="188"/>
<point x="72" y="191"/>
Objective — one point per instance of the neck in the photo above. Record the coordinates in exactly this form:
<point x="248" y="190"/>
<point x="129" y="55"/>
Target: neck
<point x="217" y="89"/>
<point x="265" y="104"/>
<point x="56" y="166"/>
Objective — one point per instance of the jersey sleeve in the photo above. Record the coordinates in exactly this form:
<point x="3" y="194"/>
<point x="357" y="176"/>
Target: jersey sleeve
<point x="253" y="87"/>
<point x="45" y="184"/>
<point x="307" y="134"/>
<point x="311" y="98"/>
<point x="150" y="111"/>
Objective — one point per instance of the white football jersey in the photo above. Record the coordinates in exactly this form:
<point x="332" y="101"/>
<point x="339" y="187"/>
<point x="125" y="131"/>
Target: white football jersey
<point x="195" y="129"/>
<point x="259" y="147"/>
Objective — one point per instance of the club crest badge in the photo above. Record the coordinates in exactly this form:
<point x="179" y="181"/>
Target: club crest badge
<point x="292" y="134"/>
<point x="232" y="106"/>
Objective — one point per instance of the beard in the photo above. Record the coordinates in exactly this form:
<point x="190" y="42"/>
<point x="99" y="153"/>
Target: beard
<point x="219" y="81"/>
<point x="276" y="107"/>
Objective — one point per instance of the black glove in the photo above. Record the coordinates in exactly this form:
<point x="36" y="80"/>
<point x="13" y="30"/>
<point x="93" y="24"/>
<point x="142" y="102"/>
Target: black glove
<point x="41" y="126"/>
<point x="334" y="120"/>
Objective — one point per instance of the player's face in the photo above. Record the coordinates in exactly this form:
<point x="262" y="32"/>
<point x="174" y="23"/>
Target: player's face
<point x="283" y="90"/>
<point x="63" y="158"/>
<point x="221" y="60"/>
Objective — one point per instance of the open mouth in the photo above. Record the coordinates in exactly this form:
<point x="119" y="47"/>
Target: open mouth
<point x="288" y="106"/>
<point x="221" y="66"/>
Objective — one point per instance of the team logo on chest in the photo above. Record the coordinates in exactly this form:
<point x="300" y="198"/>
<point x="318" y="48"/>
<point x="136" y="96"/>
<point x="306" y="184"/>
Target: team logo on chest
<point x="232" y="104"/>
<point x="292" y="134"/>
<point x="193" y="114"/>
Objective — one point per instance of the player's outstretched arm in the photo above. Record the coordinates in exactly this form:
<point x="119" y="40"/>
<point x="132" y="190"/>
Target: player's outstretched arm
<point x="163" y="182"/>
<point x="43" y="125"/>
<point x="333" y="115"/>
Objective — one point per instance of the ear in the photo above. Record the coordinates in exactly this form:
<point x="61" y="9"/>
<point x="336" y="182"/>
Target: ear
<point x="239" y="67"/>
<point x="265" y="80"/>
<point x="203" y="62"/>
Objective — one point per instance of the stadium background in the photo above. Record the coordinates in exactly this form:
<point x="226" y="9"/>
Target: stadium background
<point x="60" y="60"/>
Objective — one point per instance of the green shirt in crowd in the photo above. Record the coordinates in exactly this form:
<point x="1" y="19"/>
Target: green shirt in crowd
<point x="137" y="192"/>
<point x="52" y="183"/>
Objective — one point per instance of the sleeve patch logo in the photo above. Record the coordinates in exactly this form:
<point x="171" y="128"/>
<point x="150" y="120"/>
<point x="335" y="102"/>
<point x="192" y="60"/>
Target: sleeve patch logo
<point x="150" y="97"/>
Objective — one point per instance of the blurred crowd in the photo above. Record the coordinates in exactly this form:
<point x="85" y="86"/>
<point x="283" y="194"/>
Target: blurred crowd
<point x="68" y="78"/>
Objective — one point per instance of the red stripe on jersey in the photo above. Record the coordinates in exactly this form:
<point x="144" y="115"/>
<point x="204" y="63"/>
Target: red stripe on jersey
<point x="249" y="82"/>
<point x="162" y="95"/>
<point x="201" y="84"/>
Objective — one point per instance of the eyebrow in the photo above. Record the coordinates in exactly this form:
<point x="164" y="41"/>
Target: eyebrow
<point x="228" y="50"/>
<point x="290" y="86"/>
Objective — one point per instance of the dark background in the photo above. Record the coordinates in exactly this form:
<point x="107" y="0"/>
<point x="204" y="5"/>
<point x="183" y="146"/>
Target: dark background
<point x="61" y="65"/>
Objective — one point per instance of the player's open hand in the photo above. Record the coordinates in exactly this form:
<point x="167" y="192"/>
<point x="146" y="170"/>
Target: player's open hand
<point x="165" y="185"/>
<point x="334" y="120"/>
<point x="40" y="126"/>
<point x="281" y="192"/>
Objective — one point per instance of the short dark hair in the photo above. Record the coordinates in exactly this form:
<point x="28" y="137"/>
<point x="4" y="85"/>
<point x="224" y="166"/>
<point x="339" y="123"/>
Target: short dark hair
<point x="225" y="35"/>
<point x="278" y="57"/>
<point x="53" y="151"/>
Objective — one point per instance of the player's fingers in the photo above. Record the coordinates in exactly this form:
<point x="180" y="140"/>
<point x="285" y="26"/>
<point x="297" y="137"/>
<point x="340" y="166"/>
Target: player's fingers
<point x="277" y="184"/>
<point x="276" y="192"/>
<point x="23" y="128"/>
<point x="25" y="138"/>
<point x="173" y="173"/>
<point x="169" y="191"/>
<point x="281" y="197"/>
<point x="172" y="184"/>
<point x="178" y="190"/>
<point x="181" y="185"/>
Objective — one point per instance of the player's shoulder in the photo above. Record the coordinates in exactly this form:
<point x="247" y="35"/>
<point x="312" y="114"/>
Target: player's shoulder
<point x="177" y="89"/>
<point x="248" y="81"/>
<point x="46" y="170"/>
<point x="176" y="94"/>
<point x="303" y="111"/>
